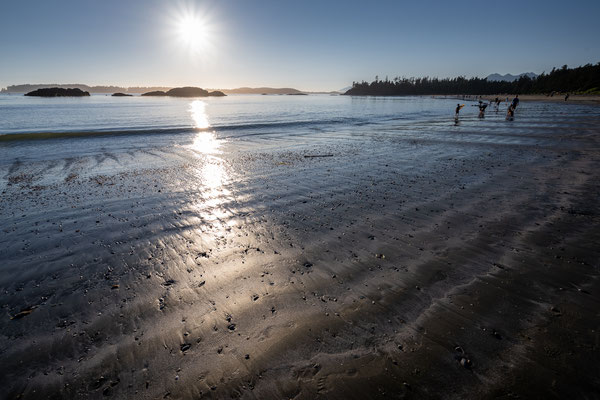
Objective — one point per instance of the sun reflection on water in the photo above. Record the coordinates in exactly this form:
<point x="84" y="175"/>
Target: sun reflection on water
<point x="205" y="141"/>
<point x="198" y="111"/>
<point x="211" y="173"/>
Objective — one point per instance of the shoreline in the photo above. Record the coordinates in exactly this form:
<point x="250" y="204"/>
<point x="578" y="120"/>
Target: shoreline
<point x="540" y="98"/>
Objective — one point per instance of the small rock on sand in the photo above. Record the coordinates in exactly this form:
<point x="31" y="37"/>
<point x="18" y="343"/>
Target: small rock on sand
<point x="465" y="362"/>
<point x="24" y="312"/>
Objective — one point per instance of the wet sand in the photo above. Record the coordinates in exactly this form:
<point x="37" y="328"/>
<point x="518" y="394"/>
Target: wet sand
<point x="399" y="266"/>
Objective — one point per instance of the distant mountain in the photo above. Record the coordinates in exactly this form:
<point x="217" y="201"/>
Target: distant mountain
<point x="26" y="88"/>
<point x="509" y="77"/>
<point x="144" y="89"/>
<point x="261" y="90"/>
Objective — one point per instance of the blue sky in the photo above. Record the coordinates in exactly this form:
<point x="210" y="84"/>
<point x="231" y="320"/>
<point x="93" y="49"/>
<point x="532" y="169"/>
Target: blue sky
<point x="310" y="45"/>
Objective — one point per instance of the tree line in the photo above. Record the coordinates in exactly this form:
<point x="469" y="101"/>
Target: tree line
<point x="582" y="80"/>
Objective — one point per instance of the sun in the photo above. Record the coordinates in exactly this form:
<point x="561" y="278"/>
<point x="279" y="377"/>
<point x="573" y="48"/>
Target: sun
<point x="193" y="32"/>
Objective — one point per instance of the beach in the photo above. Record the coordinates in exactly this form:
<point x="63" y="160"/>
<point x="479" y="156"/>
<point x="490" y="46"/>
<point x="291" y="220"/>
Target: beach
<point x="403" y="256"/>
<point x="556" y="98"/>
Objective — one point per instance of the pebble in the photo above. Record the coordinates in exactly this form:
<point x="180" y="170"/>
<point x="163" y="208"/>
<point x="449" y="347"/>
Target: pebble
<point x="465" y="362"/>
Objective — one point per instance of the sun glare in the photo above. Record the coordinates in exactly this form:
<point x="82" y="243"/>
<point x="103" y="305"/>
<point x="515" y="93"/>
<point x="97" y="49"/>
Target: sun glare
<point x="198" y="113"/>
<point x="193" y="32"/>
<point x="205" y="142"/>
<point x="193" y="29"/>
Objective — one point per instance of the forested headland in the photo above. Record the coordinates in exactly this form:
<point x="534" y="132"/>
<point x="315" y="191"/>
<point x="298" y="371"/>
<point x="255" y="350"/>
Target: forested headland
<point x="580" y="80"/>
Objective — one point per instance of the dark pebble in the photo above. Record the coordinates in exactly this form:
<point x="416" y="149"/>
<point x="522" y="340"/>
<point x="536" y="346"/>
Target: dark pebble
<point x="465" y="362"/>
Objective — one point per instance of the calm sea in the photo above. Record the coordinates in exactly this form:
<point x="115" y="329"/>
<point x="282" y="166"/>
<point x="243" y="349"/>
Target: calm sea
<point x="70" y="127"/>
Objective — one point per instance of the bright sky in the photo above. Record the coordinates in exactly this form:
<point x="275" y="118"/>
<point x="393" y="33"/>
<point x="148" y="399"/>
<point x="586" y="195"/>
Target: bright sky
<point x="308" y="44"/>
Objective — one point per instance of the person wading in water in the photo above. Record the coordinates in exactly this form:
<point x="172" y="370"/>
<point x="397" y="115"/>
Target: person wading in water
<point x="482" y="106"/>
<point x="515" y="102"/>
<point x="458" y="107"/>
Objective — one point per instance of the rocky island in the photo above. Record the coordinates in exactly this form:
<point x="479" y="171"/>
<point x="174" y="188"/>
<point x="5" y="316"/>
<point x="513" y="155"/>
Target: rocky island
<point x="155" y="93"/>
<point x="121" y="95"/>
<point x="216" y="93"/>
<point x="187" y="91"/>
<point x="58" y="92"/>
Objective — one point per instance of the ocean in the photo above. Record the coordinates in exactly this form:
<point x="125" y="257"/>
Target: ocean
<point x="100" y="123"/>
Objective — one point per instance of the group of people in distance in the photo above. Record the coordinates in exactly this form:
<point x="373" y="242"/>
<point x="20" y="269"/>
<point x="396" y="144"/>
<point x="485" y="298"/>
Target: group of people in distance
<point x="482" y="106"/>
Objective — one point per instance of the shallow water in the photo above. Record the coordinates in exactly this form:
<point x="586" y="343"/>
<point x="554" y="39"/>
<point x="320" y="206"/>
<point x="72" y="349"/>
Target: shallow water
<point x="266" y="120"/>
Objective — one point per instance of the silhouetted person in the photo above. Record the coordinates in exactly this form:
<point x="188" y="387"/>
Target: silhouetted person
<point x="482" y="107"/>
<point x="567" y="97"/>
<point x="458" y="107"/>
<point x="515" y="102"/>
<point x="510" y="114"/>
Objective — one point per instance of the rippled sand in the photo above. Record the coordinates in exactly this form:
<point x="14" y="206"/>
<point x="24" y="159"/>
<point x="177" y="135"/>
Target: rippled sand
<point x="460" y="263"/>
